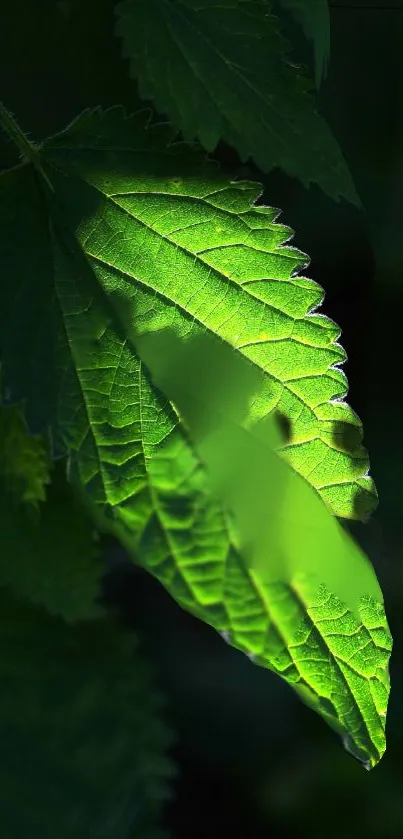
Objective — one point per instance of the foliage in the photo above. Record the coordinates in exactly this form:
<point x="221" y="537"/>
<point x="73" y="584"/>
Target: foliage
<point x="82" y="739"/>
<point x="273" y="548"/>
<point x="315" y="21"/>
<point x="166" y="377"/>
<point x="221" y="69"/>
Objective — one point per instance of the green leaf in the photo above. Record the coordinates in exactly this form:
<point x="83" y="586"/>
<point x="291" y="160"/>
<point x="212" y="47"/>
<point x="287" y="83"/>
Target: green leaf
<point x="314" y="19"/>
<point x="52" y="559"/>
<point x="139" y="234"/>
<point x="24" y="459"/>
<point x="48" y="551"/>
<point x="83" y="743"/>
<point x="141" y="228"/>
<point x="300" y="596"/>
<point x="220" y="70"/>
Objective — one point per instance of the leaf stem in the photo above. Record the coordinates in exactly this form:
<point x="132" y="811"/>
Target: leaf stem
<point x="28" y="150"/>
<point x="13" y="130"/>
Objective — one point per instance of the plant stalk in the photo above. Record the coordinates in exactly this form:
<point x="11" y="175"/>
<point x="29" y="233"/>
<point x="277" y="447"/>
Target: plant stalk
<point x="18" y="137"/>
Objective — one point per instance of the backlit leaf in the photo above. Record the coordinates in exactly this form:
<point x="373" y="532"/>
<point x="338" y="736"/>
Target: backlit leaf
<point x="130" y="234"/>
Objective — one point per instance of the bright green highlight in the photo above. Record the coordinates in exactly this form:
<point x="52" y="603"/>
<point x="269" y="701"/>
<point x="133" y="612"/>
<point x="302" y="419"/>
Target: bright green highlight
<point x="194" y="253"/>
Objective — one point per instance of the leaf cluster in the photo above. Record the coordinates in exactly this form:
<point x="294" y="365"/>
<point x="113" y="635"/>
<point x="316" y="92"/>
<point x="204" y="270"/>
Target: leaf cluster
<point x="166" y="378"/>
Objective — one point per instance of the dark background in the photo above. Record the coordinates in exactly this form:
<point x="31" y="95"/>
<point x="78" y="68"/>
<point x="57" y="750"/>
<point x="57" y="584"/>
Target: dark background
<point x="253" y="760"/>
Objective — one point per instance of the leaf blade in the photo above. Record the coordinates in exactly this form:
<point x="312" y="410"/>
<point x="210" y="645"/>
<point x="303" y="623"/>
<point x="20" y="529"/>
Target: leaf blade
<point x="323" y="614"/>
<point x="236" y="254"/>
<point x="221" y="71"/>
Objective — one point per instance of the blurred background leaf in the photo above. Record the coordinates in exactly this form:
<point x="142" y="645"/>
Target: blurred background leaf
<point x="313" y="16"/>
<point x="49" y="551"/>
<point x="24" y="460"/>
<point x="83" y="741"/>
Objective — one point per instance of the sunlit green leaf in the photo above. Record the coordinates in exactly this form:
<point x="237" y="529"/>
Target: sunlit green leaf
<point x="132" y="234"/>
<point x="299" y="595"/>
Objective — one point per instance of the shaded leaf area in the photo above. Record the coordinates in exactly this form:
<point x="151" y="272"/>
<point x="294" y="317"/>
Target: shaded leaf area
<point x="52" y="560"/>
<point x="24" y="460"/>
<point x="48" y="551"/>
<point x="314" y="19"/>
<point x="83" y="741"/>
<point x="221" y="69"/>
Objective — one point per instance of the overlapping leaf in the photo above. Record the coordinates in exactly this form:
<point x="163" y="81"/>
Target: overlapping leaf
<point x="136" y="236"/>
<point x="220" y="70"/>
